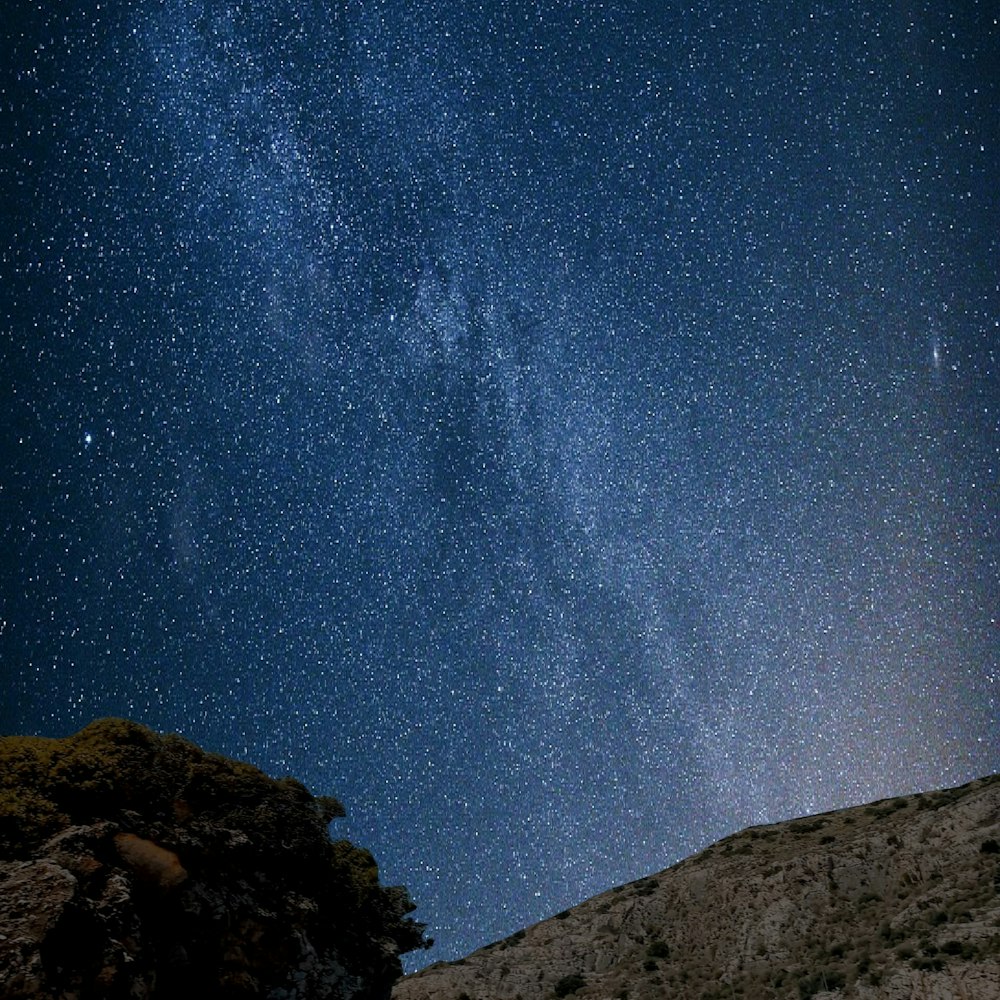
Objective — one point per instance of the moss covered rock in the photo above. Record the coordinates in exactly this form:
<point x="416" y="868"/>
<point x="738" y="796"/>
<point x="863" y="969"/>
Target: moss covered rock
<point x="180" y="869"/>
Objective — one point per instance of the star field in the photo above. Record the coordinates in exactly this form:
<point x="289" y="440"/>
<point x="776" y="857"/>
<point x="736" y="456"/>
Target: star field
<point x="566" y="432"/>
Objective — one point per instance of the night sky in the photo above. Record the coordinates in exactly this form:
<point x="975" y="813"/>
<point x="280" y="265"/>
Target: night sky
<point x="568" y="432"/>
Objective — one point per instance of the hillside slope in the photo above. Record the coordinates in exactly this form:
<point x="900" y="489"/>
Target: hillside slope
<point x="897" y="899"/>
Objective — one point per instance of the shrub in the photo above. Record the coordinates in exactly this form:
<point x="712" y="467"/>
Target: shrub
<point x="828" y="979"/>
<point x="802" y="827"/>
<point x="569" y="984"/>
<point x="156" y="788"/>
<point x="658" y="949"/>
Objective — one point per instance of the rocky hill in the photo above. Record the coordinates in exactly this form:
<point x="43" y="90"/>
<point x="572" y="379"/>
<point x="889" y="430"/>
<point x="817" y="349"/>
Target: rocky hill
<point x="897" y="899"/>
<point x="136" y="865"/>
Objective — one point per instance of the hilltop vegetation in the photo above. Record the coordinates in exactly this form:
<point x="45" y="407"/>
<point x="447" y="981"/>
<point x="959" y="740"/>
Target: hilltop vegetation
<point x="121" y="809"/>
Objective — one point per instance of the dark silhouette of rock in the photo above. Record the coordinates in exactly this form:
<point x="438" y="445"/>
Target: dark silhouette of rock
<point x="136" y="865"/>
<point x="895" y="900"/>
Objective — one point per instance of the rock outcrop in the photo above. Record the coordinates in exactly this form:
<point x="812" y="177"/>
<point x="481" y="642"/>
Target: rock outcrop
<point x="899" y="899"/>
<point x="136" y="865"/>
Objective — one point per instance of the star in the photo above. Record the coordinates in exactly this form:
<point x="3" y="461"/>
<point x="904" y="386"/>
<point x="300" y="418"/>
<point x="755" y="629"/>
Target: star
<point x="530" y="422"/>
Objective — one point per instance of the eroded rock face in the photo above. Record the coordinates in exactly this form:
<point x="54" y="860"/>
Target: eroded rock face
<point x="33" y="896"/>
<point x="895" y="900"/>
<point x="122" y="930"/>
<point x="134" y="865"/>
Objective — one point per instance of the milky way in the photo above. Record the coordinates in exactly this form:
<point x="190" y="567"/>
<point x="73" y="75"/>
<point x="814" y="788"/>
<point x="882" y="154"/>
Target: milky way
<point x="567" y="432"/>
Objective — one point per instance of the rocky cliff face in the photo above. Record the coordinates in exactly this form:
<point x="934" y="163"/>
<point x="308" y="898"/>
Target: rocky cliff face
<point x="135" y="865"/>
<point x="898" y="899"/>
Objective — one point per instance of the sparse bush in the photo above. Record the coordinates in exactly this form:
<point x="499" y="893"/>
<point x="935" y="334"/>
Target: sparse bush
<point x="569" y="984"/>
<point x="802" y="827"/>
<point x="990" y="847"/>
<point x="646" y="887"/>
<point x="658" y="949"/>
<point x="827" y="979"/>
